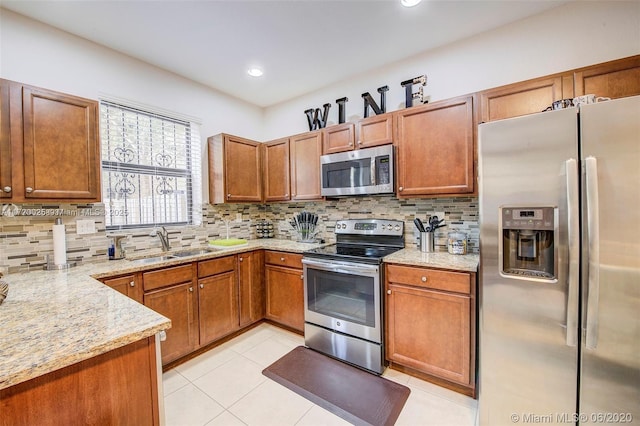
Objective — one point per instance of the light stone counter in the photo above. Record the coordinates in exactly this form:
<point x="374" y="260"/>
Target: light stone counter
<point x="441" y="260"/>
<point x="52" y="319"/>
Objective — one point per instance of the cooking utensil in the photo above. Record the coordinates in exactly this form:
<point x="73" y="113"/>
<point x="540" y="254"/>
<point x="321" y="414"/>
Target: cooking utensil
<point x="419" y="224"/>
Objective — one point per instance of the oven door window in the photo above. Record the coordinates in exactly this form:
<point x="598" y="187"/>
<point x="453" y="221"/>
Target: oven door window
<point x="341" y="296"/>
<point x="347" y="174"/>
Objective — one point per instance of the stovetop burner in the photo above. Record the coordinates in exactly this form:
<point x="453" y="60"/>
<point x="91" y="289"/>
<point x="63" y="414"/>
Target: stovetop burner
<point x="367" y="254"/>
<point x="363" y="240"/>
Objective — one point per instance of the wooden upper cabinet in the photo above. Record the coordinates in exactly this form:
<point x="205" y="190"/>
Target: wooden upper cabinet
<point x="5" y="142"/>
<point x="436" y="149"/>
<point x="305" y="151"/>
<point x="49" y="147"/>
<point x="615" y="79"/>
<point x="374" y="131"/>
<point x="519" y="99"/>
<point x="276" y="175"/>
<point x="235" y="169"/>
<point x="338" y="138"/>
<point x="61" y="153"/>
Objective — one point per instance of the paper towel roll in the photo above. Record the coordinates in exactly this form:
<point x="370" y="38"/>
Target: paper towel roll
<point x="59" y="245"/>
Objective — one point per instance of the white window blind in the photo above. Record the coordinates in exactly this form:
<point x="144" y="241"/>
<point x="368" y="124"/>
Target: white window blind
<point x="150" y="168"/>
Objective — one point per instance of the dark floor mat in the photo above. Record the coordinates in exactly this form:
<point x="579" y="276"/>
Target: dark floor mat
<point x="358" y="397"/>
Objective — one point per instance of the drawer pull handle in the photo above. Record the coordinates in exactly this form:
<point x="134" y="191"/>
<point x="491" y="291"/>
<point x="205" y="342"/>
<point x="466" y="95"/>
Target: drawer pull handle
<point x="29" y="189"/>
<point x="191" y="289"/>
<point x="241" y="259"/>
<point x="282" y="259"/>
<point x="201" y="285"/>
<point x="388" y="291"/>
<point x="423" y="279"/>
<point x="132" y="283"/>
<point x="7" y="189"/>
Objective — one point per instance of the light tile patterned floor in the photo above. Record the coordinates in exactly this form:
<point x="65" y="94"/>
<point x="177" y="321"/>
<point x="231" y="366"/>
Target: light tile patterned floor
<point x="225" y="386"/>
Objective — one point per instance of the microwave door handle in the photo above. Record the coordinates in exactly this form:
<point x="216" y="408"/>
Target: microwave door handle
<point x="373" y="171"/>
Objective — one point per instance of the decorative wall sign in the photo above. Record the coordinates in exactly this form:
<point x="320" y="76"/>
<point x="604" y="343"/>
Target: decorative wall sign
<point x="370" y="102"/>
<point x="408" y="87"/>
<point x="317" y="120"/>
<point x="341" y="112"/>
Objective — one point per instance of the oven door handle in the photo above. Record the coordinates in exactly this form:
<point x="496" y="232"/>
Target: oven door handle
<point x="343" y="267"/>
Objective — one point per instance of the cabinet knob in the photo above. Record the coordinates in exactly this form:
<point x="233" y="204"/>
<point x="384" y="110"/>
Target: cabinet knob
<point x="388" y="291"/>
<point x="191" y="289"/>
<point x="241" y="259"/>
<point x="163" y="336"/>
<point x="7" y="189"/>
<point x="423" y="279"/>
<point x="286" y="195"/>
<point x="132" y="283"/>
<point x="359" y="142"/>
<point x="28" y="189"/>
<point x="400" y="188"/>
<point x="302" y="277"/>
<point x="201" y="285"/>
<point x="282" y="259"/>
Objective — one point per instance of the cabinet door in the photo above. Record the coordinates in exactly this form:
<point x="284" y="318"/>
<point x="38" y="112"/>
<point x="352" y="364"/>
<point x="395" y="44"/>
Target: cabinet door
<point x="5" y="141"/>
<point x="277" y="184"/>
<point x="436" y="149"/>
<point x="429" y="331"/>
<point x="128" y="285"/>
<point x="518" y="99"/>
<point x="338" y="138"/>
<point x="285" y="296"/>
<point x="615" y="79"/>
<point x="251" y="283"/>
<point x="217" y="306"/>
<point x="305" y="166"/>
<point x="374" y="131"/>
<point x="242" y="169"/>
<point x="178" y="303"/>
<point x="61" y="147"/>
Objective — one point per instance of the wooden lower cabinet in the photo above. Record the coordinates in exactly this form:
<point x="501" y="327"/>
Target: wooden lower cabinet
<point x="129" y="285"/>
<point x="251" y="287"/>
<point x="217" y="306"/>
<point x="285" y="289"/>
<point x="119" y="387"/>
<point x="179" y="304"/>
<point x="429" y="328"/>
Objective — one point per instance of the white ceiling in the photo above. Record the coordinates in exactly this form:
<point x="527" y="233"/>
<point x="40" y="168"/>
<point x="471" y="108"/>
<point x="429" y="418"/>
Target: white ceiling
<point x="301" y="45"/>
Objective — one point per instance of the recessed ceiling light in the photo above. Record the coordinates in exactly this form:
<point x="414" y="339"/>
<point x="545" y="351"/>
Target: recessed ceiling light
<point x="409" y="3"/>
<point x="255" y="72"/>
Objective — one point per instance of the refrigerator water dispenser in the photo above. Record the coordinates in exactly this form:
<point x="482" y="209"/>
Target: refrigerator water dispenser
<point x="527" y="244"/>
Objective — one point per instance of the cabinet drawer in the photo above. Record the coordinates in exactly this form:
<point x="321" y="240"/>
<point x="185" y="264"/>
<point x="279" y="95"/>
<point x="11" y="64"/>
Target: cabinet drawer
<point x="291" y="260"/>
<point x="216" y="266"/>
<point x="123" y="281"/>
<point x="167" y="276"/>
<point x="458" y="282"/>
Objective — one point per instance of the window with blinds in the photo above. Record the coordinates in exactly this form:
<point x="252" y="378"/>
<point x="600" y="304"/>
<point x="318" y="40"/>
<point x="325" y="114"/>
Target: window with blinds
<point x="150" y="168"/>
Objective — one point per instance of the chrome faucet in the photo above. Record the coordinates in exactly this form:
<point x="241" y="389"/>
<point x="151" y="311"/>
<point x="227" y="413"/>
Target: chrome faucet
<point x="164" y="238"/>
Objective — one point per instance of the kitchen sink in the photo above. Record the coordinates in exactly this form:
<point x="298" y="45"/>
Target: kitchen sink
<point x="170" y="255"/>
<point x="193" y="252"/>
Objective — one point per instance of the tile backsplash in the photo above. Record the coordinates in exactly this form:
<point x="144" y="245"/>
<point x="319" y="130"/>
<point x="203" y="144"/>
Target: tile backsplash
<point x="26" y="237"/>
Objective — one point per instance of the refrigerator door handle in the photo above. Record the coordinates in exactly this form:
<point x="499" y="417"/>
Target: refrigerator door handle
<point x="573" y="220"/>
<point x="593" y="235"/>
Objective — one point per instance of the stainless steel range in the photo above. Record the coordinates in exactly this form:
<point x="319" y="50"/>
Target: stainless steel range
<point x="342" y="291"/>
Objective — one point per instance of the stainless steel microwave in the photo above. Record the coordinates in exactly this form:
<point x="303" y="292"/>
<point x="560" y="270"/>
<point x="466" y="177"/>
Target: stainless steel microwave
<point x="363" y="171"/>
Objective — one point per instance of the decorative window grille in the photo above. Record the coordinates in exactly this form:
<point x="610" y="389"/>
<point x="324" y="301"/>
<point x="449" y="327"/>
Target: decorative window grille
<point x="150" y="168"/>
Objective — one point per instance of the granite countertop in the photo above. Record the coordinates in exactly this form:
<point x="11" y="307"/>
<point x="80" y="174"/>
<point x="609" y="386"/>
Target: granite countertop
<point x="52" y="319"/>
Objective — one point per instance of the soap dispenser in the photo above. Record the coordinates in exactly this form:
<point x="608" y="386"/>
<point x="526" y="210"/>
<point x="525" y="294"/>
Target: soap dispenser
<point x="115" y="250"/>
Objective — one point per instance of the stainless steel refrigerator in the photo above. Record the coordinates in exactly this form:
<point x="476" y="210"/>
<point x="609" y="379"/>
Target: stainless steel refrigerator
<point x="559" y="199"/>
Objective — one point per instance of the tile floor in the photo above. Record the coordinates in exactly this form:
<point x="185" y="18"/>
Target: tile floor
<point x="225" y="386"/>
